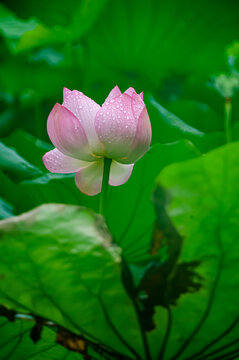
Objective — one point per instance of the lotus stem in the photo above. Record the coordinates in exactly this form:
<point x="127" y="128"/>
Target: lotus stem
<point x="104" y="190"/>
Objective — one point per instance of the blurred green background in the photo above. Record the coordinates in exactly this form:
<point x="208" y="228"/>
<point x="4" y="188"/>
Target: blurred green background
<point x="168" y="48"/>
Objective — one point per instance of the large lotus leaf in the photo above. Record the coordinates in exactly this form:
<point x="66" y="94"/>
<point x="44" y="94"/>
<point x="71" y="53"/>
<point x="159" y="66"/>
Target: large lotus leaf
<point x="57" y="262"/>
<point x="16" y="344"/>
<point x="204" y="209"/>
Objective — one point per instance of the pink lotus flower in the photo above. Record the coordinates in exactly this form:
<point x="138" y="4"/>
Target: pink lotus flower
<point x="84" y="132"/>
